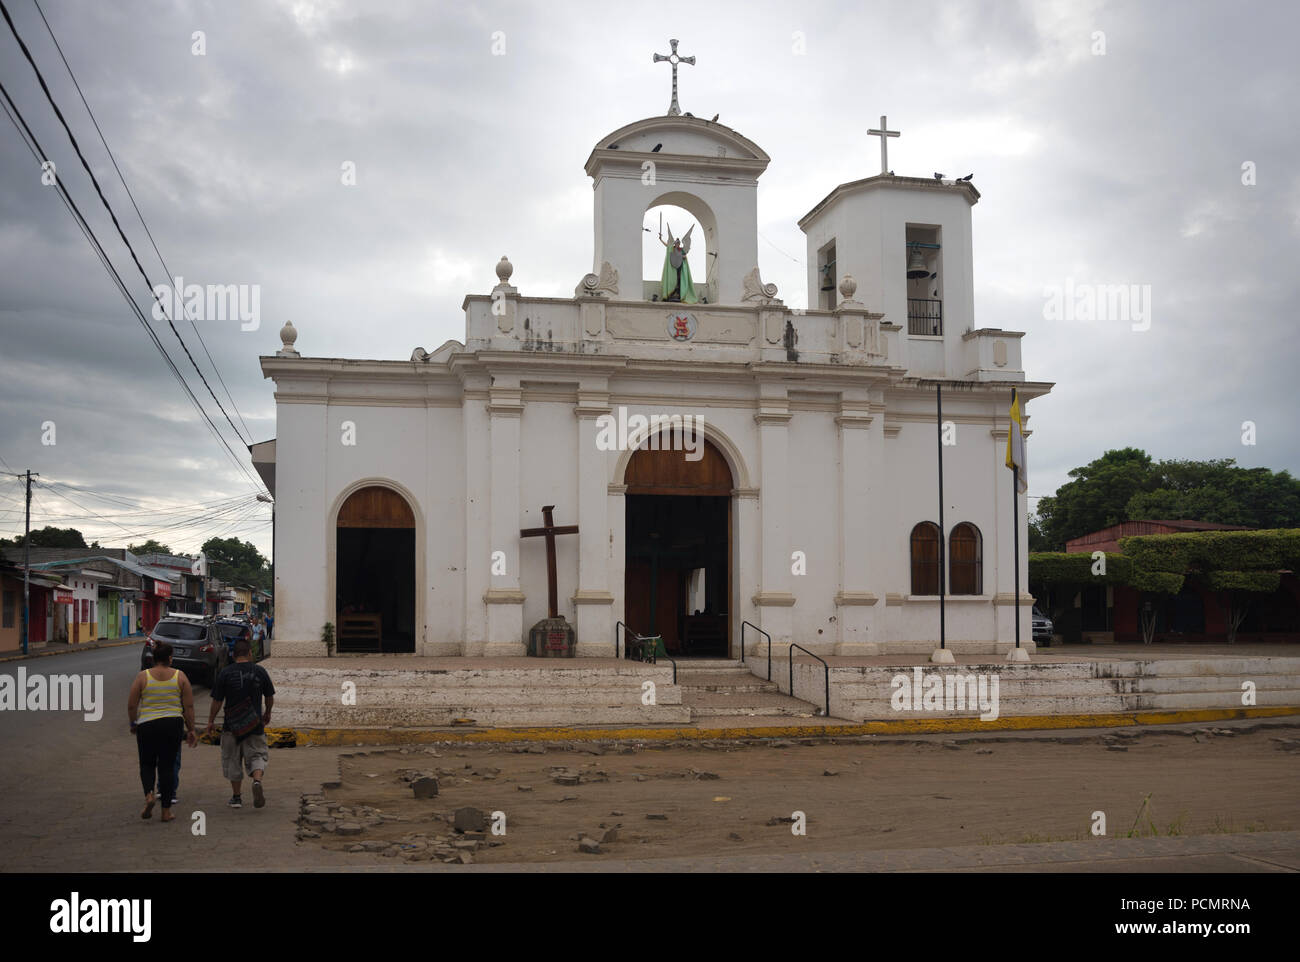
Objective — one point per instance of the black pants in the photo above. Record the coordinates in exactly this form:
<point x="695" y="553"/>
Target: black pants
<point x="159" y="742"/>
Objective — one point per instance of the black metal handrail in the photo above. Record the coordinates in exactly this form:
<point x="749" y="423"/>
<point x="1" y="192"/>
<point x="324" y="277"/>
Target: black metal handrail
<point x="750" y="624"/>
<point x="790" y="652"/>
<point x="641" y="639"/>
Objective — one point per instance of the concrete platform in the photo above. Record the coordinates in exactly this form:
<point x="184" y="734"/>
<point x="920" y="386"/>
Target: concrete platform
<point x="1081" y="685"/>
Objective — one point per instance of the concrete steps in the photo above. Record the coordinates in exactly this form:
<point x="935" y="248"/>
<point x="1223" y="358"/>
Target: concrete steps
<point x="717" y="688"/>
<point x="1093" y="687"/>
<point x="334" y="696"/>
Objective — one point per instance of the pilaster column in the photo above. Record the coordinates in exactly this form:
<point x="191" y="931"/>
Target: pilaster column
<point x="859" y="489"/>
<point x="593" y="603"/>
<point x="504" y="599"/>
<point x="774" y="598"/>
<point x="478" y="553"/>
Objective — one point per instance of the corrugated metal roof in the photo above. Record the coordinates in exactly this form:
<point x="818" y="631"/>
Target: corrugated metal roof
<point x="158" y="574"/>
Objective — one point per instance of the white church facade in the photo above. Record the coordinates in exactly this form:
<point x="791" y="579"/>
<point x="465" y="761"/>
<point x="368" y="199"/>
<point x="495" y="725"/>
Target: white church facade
<point x="807" y="509"/>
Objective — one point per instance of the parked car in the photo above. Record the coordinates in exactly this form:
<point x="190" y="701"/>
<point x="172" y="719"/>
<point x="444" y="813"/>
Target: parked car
<point x="198" y="648"/>
<point x="1043" y="628"/>
<point x="232" y="628"/>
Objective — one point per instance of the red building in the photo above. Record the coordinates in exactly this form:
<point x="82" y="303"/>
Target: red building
<point x="1111" y="612"/>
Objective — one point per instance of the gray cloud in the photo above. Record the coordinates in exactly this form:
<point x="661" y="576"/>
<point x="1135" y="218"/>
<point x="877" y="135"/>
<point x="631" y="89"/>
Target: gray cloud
<point x="1122" y="168"/>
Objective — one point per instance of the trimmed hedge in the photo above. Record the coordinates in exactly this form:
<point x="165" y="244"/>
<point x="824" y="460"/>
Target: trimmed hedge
<point x="1263" y="581"/>
<point x="1209" y="551"/>
<point x="1060" y="568"/>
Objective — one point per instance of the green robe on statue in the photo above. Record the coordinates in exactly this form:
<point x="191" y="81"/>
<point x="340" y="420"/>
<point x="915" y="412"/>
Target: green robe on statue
<point x="668" y="284"/>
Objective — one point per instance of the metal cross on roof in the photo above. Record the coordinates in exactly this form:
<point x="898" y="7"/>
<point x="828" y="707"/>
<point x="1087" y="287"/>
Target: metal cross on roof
<point x="674" y="59"/>
<point x="884" y="133"/>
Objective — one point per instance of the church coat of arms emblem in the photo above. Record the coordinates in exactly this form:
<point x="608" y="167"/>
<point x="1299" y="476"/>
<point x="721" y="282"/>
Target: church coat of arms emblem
<point x="682" y="327"/>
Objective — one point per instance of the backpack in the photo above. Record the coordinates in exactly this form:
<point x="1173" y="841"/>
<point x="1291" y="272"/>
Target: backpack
<point x="242" y="717"/>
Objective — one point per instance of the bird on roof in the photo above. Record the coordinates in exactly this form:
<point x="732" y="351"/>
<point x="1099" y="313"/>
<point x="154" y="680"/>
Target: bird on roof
<point x="689" y="114"/>
<point x="938" y="176"/>
<point x="655" y="148"/>
<point x="967" y="177"/>
<point x="715" y="118"/>
<point x="613" y="146"/>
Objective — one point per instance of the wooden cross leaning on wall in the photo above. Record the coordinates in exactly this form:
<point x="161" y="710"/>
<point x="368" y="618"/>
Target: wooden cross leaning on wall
<point x="548" y="530"/>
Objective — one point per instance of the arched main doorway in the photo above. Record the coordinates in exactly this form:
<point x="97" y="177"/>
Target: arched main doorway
<point x="678" y="572"/>
<point x="374" y="587"/>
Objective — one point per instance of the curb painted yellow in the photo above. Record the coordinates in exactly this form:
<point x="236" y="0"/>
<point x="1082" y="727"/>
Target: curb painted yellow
<point x="902" y="726"/>
<point x="71" y="650"/>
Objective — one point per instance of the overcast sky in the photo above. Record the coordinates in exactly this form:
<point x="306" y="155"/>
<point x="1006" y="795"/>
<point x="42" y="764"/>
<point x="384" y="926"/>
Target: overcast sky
<point x="1122" y="167"/>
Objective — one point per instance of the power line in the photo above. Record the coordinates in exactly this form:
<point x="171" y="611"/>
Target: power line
<point x="33" y="145"/>
<point x="138" y="214"/>
<point x="108" y="207"/>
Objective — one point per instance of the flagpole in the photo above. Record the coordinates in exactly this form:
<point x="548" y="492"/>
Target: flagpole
<point x="941" y="655"/>
<point x="938" y="401"/>
<point x="1015" y="528"/>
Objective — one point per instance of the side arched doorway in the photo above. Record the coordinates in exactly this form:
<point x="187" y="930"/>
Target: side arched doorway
<point x="374" y="587"/>
<point x="678" y="567"/>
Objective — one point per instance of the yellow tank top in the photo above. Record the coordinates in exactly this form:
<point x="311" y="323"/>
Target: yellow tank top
<point x="160" y="699"/>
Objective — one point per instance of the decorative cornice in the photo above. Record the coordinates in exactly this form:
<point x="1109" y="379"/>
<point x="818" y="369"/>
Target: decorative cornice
<point x="893" y="600"/>
<point x="854" y="420"/>
<point x="774" y="599"/>
<point x="1008" y="598"/>
<point x="771" y="417"/>
<point x="991" y="332"/>
<point x="618" y="490"/>
<point x="748" y="493"/>
<point x="503" y="596"/>
<point x="593" y="598"/>
<point x="845" y="599"/>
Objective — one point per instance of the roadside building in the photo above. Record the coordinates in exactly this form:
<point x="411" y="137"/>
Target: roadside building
<point x="1112" y="613"/>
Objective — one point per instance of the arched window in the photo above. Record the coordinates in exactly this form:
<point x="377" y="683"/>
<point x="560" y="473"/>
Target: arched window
<point x="965" y="560"/>
<point x="925" y="559"/>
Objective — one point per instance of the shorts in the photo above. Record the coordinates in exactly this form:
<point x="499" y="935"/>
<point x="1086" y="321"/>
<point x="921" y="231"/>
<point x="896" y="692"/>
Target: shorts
<point x="252" y="750"/>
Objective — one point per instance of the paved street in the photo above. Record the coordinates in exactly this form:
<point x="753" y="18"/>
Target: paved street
<point x="74" y="797"/>
<point x="74" y="794"/>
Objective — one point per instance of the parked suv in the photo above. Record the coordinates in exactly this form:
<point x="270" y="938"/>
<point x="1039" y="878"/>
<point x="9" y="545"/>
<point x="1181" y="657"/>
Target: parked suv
<point x="198" y="647"/>
<point x="231" y="629"/>
<point x="1043" y="628"/>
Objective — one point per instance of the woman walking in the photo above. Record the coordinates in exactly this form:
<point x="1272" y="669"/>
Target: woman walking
<point x="161" y="710"/>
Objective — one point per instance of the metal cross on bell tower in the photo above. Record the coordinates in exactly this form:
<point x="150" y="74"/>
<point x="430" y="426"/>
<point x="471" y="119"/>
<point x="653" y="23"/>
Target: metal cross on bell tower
<point x="674" y="59"/>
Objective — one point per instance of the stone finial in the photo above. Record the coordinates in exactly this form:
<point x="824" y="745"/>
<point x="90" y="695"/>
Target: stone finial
<point x="848" y="287"/>
<point x="504" y="269"/>
<point x="288" y="337"/>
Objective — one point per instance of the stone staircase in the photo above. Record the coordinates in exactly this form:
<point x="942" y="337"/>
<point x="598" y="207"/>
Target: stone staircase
<point x="712" y="688"/>
<point x="1093" y="687"/>
<point x="546" y="695"/>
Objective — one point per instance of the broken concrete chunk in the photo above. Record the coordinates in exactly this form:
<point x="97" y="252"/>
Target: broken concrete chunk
<point x="469" y="820"/>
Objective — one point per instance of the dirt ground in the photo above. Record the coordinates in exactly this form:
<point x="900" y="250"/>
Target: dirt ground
<point x="861" y="793"/>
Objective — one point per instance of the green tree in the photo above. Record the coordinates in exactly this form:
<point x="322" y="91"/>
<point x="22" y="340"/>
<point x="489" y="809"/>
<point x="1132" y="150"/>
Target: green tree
<point x="1097" y="497"/>
<point x="1125" y="485"/>
<point x="51" y="537"/>
<point x="149" y="547"/>
<point x="237" y="562"/>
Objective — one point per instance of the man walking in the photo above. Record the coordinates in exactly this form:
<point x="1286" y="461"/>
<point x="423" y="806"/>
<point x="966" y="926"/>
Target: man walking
<point x="241" y="687"/>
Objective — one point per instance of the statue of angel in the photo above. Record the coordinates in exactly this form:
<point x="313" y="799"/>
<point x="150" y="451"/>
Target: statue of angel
<point x="676" y="284"/>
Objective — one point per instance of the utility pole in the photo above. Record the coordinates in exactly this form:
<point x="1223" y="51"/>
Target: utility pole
<point x="27" y="557"/>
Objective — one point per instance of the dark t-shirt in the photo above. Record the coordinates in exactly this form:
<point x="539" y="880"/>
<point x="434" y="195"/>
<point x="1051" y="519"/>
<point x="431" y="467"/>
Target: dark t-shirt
<point x="243" y="680"/>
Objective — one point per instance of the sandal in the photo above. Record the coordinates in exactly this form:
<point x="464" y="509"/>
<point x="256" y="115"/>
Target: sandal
<point x="167" y="818"/>
<point x="148" y="806"/>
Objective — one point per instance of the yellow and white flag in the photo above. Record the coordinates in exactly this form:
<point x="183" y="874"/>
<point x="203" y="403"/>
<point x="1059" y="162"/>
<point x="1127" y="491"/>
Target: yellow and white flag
<point x="1016" y="446"/>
